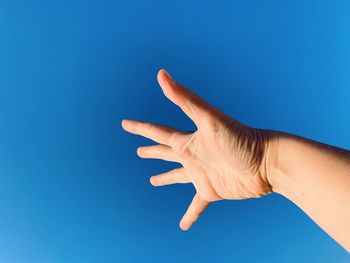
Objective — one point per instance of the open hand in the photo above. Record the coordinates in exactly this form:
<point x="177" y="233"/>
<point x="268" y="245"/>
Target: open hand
<point x="223" y="158"/>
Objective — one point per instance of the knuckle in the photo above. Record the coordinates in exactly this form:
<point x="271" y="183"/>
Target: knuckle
<point x="148" y="126"/>
<point x="190" y="93"/>
<point x="184" y="149"/>
<point x="174" y="139"/>
<point x="196" y="214"/>
<point x="184" y="153"/>
<point x="208" y="195"/>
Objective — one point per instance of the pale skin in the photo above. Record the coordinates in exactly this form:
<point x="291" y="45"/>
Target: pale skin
<point x="225" y="159"/>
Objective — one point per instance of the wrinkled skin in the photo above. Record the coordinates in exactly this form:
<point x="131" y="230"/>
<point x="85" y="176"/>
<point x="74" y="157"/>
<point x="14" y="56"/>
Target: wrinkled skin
<point x="223" y="158"/>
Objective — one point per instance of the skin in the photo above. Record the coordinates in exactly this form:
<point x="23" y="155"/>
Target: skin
<point x="225" y="159"/>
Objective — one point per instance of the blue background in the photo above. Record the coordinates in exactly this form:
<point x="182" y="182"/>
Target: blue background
<point x="71" y="186"/>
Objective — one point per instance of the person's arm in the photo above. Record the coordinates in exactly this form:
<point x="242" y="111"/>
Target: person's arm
<point x="316" y="177"/>
<point x="225" y="159"/>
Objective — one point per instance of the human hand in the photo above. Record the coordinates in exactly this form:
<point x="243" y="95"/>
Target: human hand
<point x="223" y="158"/>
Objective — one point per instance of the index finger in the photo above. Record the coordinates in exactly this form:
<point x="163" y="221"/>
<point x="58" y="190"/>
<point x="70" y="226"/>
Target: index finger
<point x="157" y="133"/>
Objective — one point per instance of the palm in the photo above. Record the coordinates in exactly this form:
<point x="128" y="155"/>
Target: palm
<point x="215" y="166"/>
<point x="222" y="158"/>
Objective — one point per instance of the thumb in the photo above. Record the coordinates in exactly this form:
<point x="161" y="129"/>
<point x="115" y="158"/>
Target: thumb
<point x="192" y="105"/>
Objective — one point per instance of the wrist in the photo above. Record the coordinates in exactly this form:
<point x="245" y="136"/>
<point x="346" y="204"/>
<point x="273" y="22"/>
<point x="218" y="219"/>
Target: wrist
<point x="282" y="150"/>
<point x="269" y="142"/>
<point x="274" y="172"/>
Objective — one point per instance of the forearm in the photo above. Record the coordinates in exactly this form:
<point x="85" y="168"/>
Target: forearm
<point x="316" y="178"/>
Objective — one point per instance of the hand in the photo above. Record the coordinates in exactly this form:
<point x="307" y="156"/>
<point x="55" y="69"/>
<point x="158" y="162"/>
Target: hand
<point x="223" y="158"/>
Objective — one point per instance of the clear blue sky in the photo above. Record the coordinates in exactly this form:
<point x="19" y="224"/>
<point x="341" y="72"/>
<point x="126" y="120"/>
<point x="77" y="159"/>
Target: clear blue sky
<point x="71" y="186"/>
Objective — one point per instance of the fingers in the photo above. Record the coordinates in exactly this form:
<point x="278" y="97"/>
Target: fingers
<point x="176" y="176"/>
<point x="157" y="133"/>
<point x="194" y="107"/>
<point x="162" y="152"/>
<point x="196" y="208"/>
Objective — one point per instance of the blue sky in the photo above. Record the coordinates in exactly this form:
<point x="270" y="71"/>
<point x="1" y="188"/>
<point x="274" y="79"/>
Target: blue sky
<point x="71" y="186"/>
